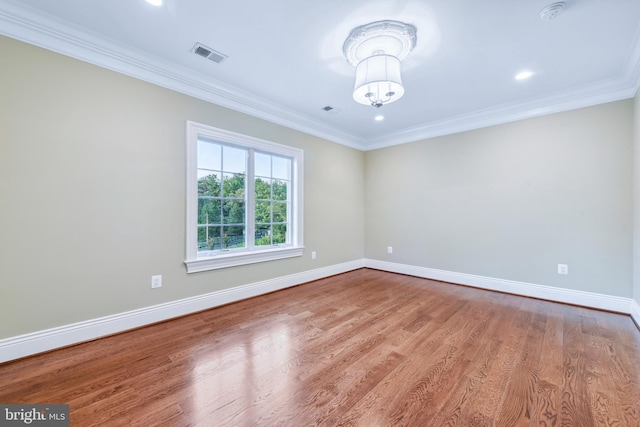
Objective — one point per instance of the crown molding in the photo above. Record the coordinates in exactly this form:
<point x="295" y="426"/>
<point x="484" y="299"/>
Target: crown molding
<point x="625" y="86"/>
<point x="632" y="66"/>
<point x="31" y="26"/>
<point x="34" y="27"/>
<point x="611" y="90"/>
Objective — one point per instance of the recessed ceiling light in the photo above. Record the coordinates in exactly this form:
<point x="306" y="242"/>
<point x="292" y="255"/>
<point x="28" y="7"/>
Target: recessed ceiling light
<point x="523" y="75"/>
<point x="378" y="118"/>
<point x="156" y="3"/>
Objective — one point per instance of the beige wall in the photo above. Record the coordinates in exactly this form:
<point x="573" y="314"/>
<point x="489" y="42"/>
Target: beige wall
<point x="92" y="193"/>
<point x="636" y="198"/>
<point x="512" y="201"/>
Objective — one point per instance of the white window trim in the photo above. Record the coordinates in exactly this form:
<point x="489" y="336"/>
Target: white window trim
<point x="196" y="262"/>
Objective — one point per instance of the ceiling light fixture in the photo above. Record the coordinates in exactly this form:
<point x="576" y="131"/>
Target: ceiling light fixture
<point x="378" y="118"/>
<point x="156" y="3"/>
<point x="376" y="50"/>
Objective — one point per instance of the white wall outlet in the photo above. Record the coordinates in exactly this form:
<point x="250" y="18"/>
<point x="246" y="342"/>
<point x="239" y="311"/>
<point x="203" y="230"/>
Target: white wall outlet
<point x="389" y="250"/>
<point x="313" y="254"/>
<point x="563" y="269"/>
<point x="156" y="281"/>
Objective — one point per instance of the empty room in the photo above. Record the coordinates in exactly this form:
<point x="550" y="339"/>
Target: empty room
<point x="286" y="213"/>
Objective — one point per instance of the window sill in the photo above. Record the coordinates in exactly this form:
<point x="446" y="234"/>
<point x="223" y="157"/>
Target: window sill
<point x="235" y="259"/>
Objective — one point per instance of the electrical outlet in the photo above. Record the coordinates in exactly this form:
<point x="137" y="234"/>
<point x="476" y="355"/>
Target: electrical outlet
<point x="156" y="281"/>
<point x="313" y="254"/>
<point x="389" y="250"/>
<point x="563" y="269"/>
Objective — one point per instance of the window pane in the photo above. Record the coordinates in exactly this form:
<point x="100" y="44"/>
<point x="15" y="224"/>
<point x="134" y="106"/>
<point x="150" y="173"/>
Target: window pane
<point x="234" y="159"/>
<point x="281" y="167"/>
<point x="233" y="212"/>
<point x="279" y="190"/>
<point x="209" y="155"/>
<point x="202" y="240"/>
<point x="233" y="237"/>
<point x="208" y="211"/>
<point x="263" y="165"/>
<point x="263" y="235"/>
<point x="263" y="188"/>
<point x="208" y="184"/>
<point x="279" y="234"/>
<point x="209" y="238"/>
<point x="233" y="185"/>
<point x="279" y="212"/>
<point x="263" y="212"/>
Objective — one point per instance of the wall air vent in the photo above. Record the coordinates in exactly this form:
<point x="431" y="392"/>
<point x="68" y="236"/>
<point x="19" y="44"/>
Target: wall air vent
<point x="209" y="53"/>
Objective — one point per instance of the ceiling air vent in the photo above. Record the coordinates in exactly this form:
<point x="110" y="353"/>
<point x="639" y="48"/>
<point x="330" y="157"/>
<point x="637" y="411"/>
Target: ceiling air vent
<point x="209" y="53"/>
<point x="331" y="110"/>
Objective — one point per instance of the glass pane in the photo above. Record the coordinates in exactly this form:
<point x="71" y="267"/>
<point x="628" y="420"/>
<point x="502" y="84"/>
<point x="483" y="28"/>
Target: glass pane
<point x="263" y="188"/>
<point x="209" y="238"/>
<point x="234" y="159"/>
<point x="233" y="212"/>
<point x="263" y="212"/>
<point x="208" y="211"/>
<point x="233" y="185"/>
<point x="209" y="155"/>
<point x="233" y="237"/>
<point x="202" y="239"/>
<point x="208" y="184"/>
<point x="263" y="235"/>
<point x="263" y="165"/>
<point x="279" y="234"/>
<point x="281" y="168"/>
<point x="280" y="190"/>
<point x="279" y="212"/>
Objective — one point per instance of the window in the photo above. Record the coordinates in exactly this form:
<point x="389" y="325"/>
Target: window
<point x="244" y="199"/>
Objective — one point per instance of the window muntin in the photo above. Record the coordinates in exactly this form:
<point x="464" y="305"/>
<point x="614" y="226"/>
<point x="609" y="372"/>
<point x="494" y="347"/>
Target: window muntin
<point x="244" y="199"/>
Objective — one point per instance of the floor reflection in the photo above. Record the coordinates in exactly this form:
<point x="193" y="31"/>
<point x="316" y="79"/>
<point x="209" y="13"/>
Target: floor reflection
<point x="243" y="373"/>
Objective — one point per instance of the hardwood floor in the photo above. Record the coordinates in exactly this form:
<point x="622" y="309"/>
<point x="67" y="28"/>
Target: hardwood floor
<point x="365" y="348"/>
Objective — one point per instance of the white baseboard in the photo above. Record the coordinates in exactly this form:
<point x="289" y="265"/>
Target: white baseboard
<point x="635" y="312"/>
<point x="568" y="296"/>
<point x="49" y="339"/>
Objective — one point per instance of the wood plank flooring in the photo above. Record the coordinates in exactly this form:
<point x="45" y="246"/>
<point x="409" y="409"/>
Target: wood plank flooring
<point x="365" y="348"/>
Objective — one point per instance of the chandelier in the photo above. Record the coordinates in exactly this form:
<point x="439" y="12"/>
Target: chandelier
<point x="375" y="50"/>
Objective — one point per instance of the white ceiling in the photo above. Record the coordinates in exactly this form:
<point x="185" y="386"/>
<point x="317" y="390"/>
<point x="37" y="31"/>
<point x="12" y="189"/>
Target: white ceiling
<point x="285" y="59"/>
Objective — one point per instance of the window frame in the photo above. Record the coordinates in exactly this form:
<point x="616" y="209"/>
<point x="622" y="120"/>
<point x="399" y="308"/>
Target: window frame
<point x="196" y="261"/>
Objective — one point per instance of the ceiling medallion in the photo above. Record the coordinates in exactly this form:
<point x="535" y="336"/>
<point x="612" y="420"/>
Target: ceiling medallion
<point x="550" y="12"/>
<point x="376" y="50"/>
